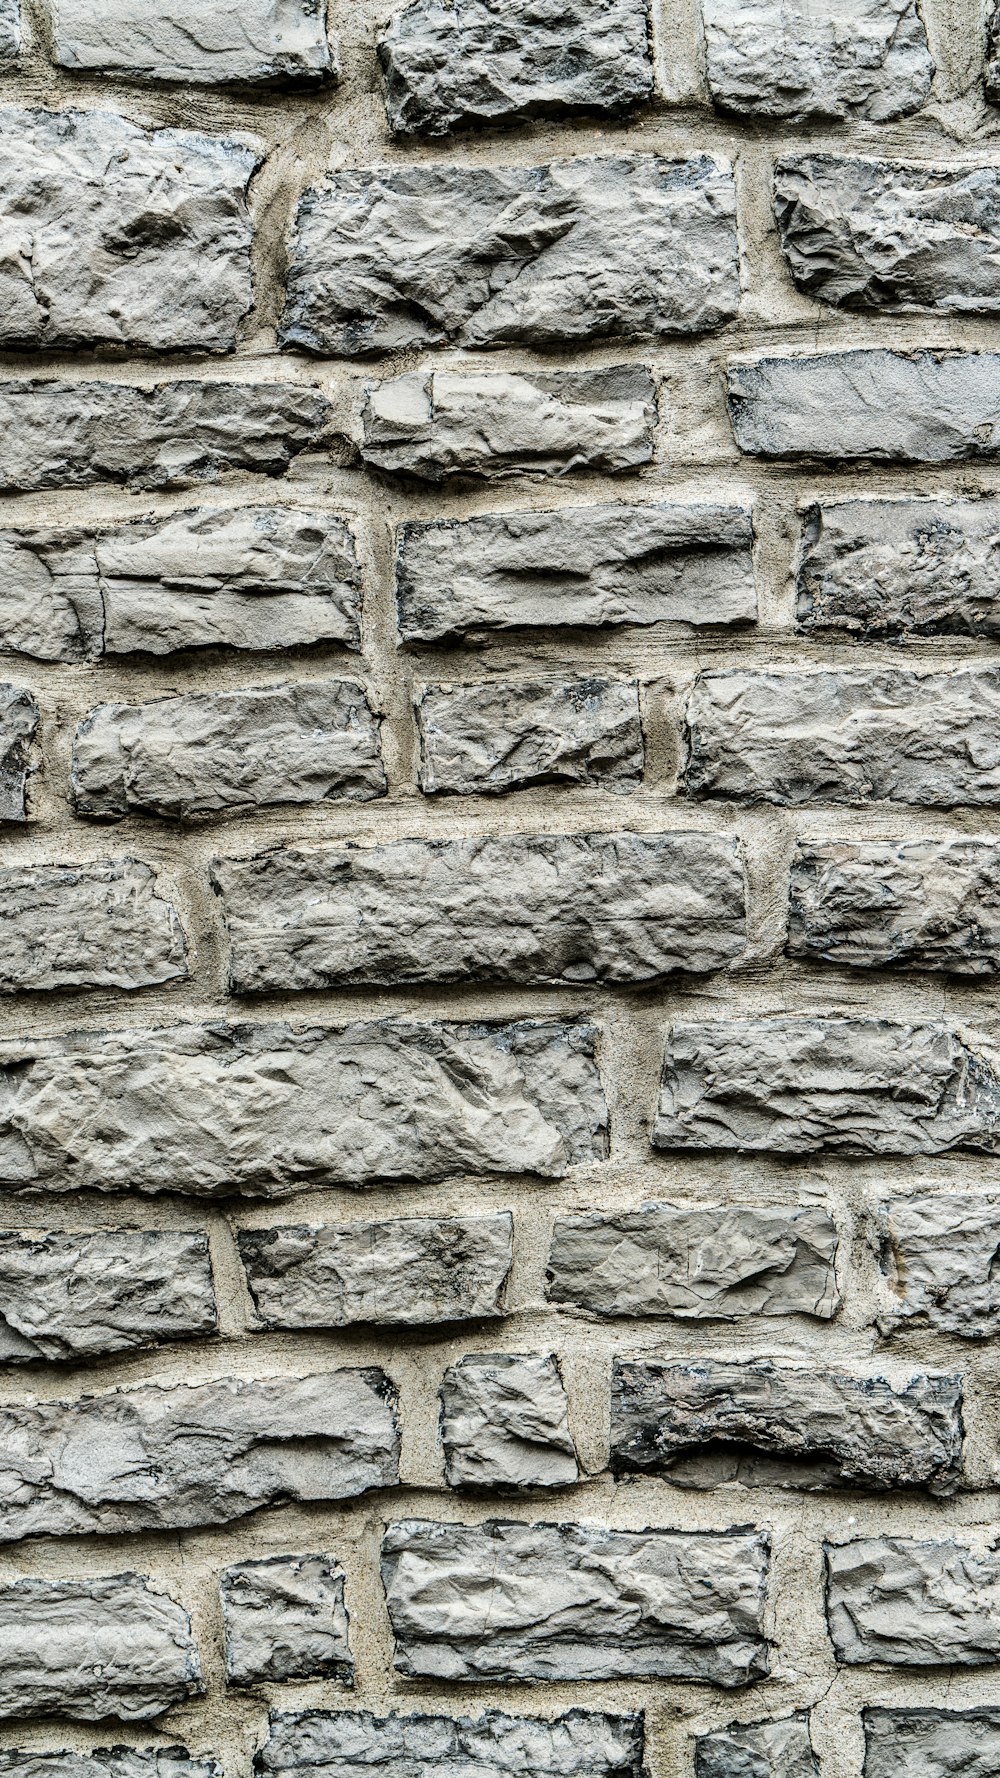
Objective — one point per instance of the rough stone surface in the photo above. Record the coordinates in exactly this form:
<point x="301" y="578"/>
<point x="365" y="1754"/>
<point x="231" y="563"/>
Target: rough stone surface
<point x="300" y="742"/>
<point x="511" y="1601"/>
<point x="110" y="1762"/>
<point x="431" y="426"/>
<point x="928" y="904"/>
<point x="766" y="1425"/>
<point x="51" y="1631"/>
<point x="907" y="1603"/>
<point x="354" y="1743"/>
<point x="992" y="69"/>
<point x="479" y="739"/>
<point x="940" y="1257"/>
<point x="18" y="728"/>
<point x="583" y="565"/>
<point x="258" y="42"/>
<point x="116" y="1290"/>
<point x="505" y="1422"/>
<point x="706" y="1264"/>
<point x="573" y="908"/>
<point x="778" y="1749"/>
<point x="268" y="1109"/>
<point x="103" y="925"/>
<point x="802" y="1085"/>
<point x="931" y="1743"/>
<point x="864" y="60"/>
<point x="603" y="246"/>
<point x="478" y="62"/>
<point x="284" y="1618"/>
<point x="10" y="30"/>
<point x="157" y="1458"/>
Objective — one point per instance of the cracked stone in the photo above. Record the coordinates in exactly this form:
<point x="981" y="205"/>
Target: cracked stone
<point x="505" y="1422"/>
<point x="79" y="1296"/>
<point x="879" y="904"/>
<point x="906" y="1603"/>
<point x="778" y="1749"/>
<point x="97" y="925"/>
<point x="901" y="567"/>
<point x="931" y="1743"/>
<point x="940" y="1259"/>
<point x="284" y="1618"/>
<point x="354" y="1743"/>
<point x="252" y="42"/>
<point x="480" y="739"/>
<point x="110" y="1762"/>
<point x="850" y="61"/>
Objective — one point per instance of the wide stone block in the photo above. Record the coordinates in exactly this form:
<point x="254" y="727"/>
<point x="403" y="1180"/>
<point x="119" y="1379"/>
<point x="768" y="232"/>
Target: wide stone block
<point x="504" y="1422"/>
<point x="930" y="1743"/>
<point x="504" y="1601"/>
<point x="19" y="719"/>
<point x="847" y="61"/>
<point x="938" y="1255"/>
<point x="284" y="1618"/>
<point x="906" y="1603"/>
<point x="883" y="904"/>
<point x="354" y="1743"/>
<point x="111" y="1762"/>
<point x="901" y="567"/>
<point x="102" y="925"/>
<point x="781" y="1748"/>
<point x="116" y="1290"/>
<point x="485" y="738"/>
<point x="250" y="42"/>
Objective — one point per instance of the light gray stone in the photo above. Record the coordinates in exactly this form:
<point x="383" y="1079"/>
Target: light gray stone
<point x="714" y="1263"/>
<point x="849" y="61"/>
<point x="905" y="1603"/>
<point x="582" y="565"/>
<point x="625" y="246"/>
<point x="506" y="1601"/>
<point x="200" y="42"/>
<point x="482" y="62"/>
<point x="409" y="1272"/>
<point x="18" y="729"/>
<point x="931" y="1743"/>
<point x="476" y="740"/>
<point x="505" y="1422"/>
<point x="92" y="1648"/>
<point x="298" y="742"/>
<point x="159" y="1458"/>
<point x="10" y="30"/>
<point x="899" y="567"/>
<point x="803" y="1085"/>
<point x="765" y="1425"/>
<point x="878" y="904"/>
<point x="270" y="1109"/>
<point x="354" y="1743"/>
<point x="116" y="1290"/>
<point x="102" y="925"/>
<point x="111" y="1762"/>
<point x="432" y="425"/>
<point x="992" y="69"/>
<point x="284" y="1618"/>
<point x="546" y="908"/>
<point x="940" y="1259"/>
<point x="781" y="1748"/>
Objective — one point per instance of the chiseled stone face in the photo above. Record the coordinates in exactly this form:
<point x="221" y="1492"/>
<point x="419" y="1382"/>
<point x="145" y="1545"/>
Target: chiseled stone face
<point x="115" y="1290"/>
<point x="778" y="1749"/>
<point x="103" y="925"/>
<point x="880" y="904"/>
<point x="354" y="1743"/>
<point x="505" y="1422"/>
<point x="939" y="1254"/>
<point x="906" y="1602"/>
<point x="257" y="42"/>
<point x="284" y="1618"/>
<point x="992" y="69"/>
<point x="919" y="1743"/>
<point x="18" y="729"/>
<point x="847" y="60"/>
<point x="110" y="1762"/>
<point x="483" y="738"/>
<point x="10" y="29"/>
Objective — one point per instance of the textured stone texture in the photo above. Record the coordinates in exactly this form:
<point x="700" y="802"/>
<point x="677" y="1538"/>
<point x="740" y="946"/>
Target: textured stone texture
<point x="766" y="1425"/>
<point x="284" y="1618"/>
<point x="352" y="1743"/>
<point x="301" y="742"/>
<point x="907" y="1603"/>
<point x="882" y="904"/>
<point x="511" y="1601"/>
<point x="103" y="925"/>
<point x="901" y="567"/>
<point x="505" y="1422"/>
<point x="778" y="1749"/>
<point x="856" y="59"/>
<point x="940" y="1257"/>
<point x="931" y="1743"/>
<point x="267" y="1109"/>
<point x="616" y="246"/>
<point x="111" y="1762"/>
<point x="430" y="426"/>
<point x="10" y="29"/>
<point x="488" y="737"/>
<point x="116" y="1290"/>
<point x="260" y="42"/>
<point x="18" y="728"/>
<point x="992" y="68"/>
<point x="704" y="1264"/>
<point x="478" y="62"/>
<point x="574" y="908"/>
<point x="583" y="565"/>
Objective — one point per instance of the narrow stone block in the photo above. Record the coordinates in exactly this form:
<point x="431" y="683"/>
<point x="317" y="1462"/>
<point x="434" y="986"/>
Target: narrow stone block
<point x="285" y="1618"/>
<point x="477" y="740"/>
<point x="845" y="60"/>
<point x="906" y="1603"/>
<point x="885" y="904"/>
<point x="18" y="728"/>
<point x="354" y="1744"/>
<point x="505" y="1422"/>
<point x="116" y="1290"/>
<point x="10" y="30"/>
<point x="199" y="42"/>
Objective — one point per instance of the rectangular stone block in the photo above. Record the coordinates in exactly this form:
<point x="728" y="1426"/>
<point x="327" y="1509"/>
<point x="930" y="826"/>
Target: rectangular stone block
<point x="906" y="1603"/>
<point x="848" y="61"/>
<point x="884" y="904"/>
<point x="298" y="742"/>
<point x="110" y="1762"/>
<point x="409" y="1272"/>
<point x="269" y="1109"/>
<point x="250" y="42"/>
<point x="10" y="30"/>
<point x="356" y="1744"/>
<point x="284" y="1618"/>
<point x="781" y="1748"/>
<point x="806" y="1085"/>
<point x="101" y="925"/>
<point x="116" y="1290"/>
<point x="931" y="1743"/>
<point x="18" y="729"/>
<point x="430" y="426"/>
<point x="938" y="1256"/>
<point x="507" y="1601"/>
<point x="991" y="72"/>
<point x="520" y="908"/>
<point x="504" y="1422"/>
<point x="715" y="1263"/>
<point x="624" y="246"/>
<point x="485" y="738"/>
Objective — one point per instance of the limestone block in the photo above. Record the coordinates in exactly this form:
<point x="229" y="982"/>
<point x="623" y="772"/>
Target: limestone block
<point x="930" y="1743"/>
<point x="904" y="1602"/>
<point x="781" y="1748"/>
<point x="116" y="1290"/>
<point x="102" y="925"/>
<point x="901" y="567"/>
<point x="843" y="60"/>
<point x="284" y="1618"/>
<point x="485" y="738"/>
<point x="885" y="904"/>
<point x="940" y="1258"/>
<point x="199" y="42"/>
<point x="505" y="1422"/>
<point x="354" y="1744"/>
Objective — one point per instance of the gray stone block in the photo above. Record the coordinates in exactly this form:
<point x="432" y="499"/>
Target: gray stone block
<point x="880" y="904"/>
<point x="10" y="30"/>
<point x="901" y="567"/>
<point x="480" y="739"/>
<point x="849" y="61"/>
<point x="285" y="1618"/>
<point x="505" y="1422"/>
<point x="581" y="565"/>
<point x="101" y="925"/>
<point x="413" y="1271"/>
<point x="504" y="1601"/>
<point x="18" y="729"/>
<point x="905" y="1603"/>
<point x="298" y="742"/>
<point x="431" y="426"/>
<point x="940" y="1258"/>
<point x="116" y="1290"/>
<point x="931" y="1743"/>
<point x="546" y="908"/>
<point x="480" y="63"/>
<point x="626" y="246"/>
<point x="714" y="1263"/>
<point x="781" y="1748"/>
<point x="805" y="1085"/>
<point x="354" y="1743"/>
<point x="200" y="42"/>
<point x="764" y="1425"/>
<point x="110" y="1762"/>
<point x="991" y="71"/>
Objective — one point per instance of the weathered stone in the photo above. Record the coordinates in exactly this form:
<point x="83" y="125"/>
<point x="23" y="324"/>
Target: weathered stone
<point x="778" y="1749"/>
<point x="931" y="1743"/>
<point x="505" y="1422"/>
<point x="110" y="235"/>
<point x="354" y="1744"/>
<point x="929" y="904"/>
<point x="930" y="406"/>
<point x="300" y="742"/>
<point x="853" y="60"/>
<point x="76" y="1296"/>
<point x="716" y="1263"/>
<point x="765" y="1425"/>
<point x="105" y="1646"/>
<point x="906" y="1603"/>
<point x="257" y="42"/>
<point x="482" y="62"/>
<point x="156" y="1458"/>
<point x="901" y="567"/>
<point x="411" y="1271"/>
<point x="940" y="1258"/>
<point x="802" y="1085"/>
<point x="103" y="925"/>
<point x="284" y="1618"/>
<point x="111" y="1762"/>
<point x="562" y="1602"/>
<point x="479" y="739"/>
<point x="268" y="1109"/>
<point x="10" y="30"/>
<point x="546" y="908"/>
<point x="433" y="425"/>
<point x="992" y="69"/>
<point x="18" y="728"/>
<point x="581" y="565"/>
<point x="623" y="246"/>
